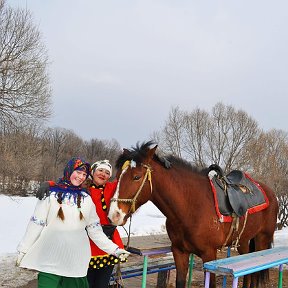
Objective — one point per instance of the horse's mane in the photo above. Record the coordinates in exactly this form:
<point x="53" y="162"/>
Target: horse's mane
<point x="139" y="153"/>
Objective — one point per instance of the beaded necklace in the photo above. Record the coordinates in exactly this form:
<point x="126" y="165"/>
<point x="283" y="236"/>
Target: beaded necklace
<point x="101" y="188"/>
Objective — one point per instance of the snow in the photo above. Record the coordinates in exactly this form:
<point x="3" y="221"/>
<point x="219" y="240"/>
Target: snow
<point x="15" y="213"/>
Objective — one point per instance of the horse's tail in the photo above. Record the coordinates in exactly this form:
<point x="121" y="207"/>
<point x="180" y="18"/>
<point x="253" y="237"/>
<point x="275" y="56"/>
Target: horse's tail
<point x="261" y="277"/>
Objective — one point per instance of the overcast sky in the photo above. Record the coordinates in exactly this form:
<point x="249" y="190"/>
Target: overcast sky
<point x="117" y="67"/>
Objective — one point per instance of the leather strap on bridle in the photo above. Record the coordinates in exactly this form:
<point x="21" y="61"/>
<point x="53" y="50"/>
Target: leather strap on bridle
<point x="147" y="176"/>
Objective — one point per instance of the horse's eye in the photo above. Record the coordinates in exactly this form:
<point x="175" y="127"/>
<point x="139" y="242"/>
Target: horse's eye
<point x="136" y="177"/>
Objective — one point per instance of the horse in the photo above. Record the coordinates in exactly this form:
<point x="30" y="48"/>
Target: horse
<point x="183" y="193"/>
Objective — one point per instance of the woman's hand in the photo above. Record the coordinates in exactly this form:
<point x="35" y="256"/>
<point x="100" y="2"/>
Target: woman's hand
<point x="122" y="254"/>
<point x="43" y="190"/>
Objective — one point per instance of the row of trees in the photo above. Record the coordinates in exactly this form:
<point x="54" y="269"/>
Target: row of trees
<point x="29" y="156"/>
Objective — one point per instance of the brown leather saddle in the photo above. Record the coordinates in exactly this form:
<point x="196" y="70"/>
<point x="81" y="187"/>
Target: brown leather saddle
<point x="235" y="191"/>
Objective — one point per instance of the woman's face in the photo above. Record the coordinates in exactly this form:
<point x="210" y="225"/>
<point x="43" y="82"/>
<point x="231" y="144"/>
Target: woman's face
<point x="101" y="176"/>
<point x="78" y="177"/>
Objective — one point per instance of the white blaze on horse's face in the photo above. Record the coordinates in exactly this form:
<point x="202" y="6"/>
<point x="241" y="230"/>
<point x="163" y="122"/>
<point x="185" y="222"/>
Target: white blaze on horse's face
<point x="116" y="215"/>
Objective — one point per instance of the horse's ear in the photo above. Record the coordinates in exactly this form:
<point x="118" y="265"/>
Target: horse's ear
<point x="151" y="152"/>
<point x="125" y="151"/>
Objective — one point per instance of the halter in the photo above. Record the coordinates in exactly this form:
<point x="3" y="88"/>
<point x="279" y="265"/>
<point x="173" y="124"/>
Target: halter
<point x="147" y="175"/>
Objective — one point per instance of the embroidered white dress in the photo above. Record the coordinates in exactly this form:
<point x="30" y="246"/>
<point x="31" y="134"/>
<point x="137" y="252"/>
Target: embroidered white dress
<point x="62" y="247"/>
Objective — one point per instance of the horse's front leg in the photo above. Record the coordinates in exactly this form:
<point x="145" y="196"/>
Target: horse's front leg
<point x="181" y="261"/>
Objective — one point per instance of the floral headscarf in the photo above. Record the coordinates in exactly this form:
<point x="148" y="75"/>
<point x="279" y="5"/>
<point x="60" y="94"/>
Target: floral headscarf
<point x="64" y="189"/>
<point x="75" y="163"/>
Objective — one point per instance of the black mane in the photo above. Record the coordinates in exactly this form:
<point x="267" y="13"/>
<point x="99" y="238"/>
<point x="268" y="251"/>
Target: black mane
<point x="180" y="162"/>
<point x="139" y="152"/>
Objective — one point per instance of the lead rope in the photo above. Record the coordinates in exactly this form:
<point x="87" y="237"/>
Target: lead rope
<point x="129" y="233"/>
<point x="119" y="282"/>
<point x="146" y="176"/>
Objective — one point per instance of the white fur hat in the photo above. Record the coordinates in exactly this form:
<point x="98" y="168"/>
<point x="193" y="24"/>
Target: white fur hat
<point x="104" y="164"/>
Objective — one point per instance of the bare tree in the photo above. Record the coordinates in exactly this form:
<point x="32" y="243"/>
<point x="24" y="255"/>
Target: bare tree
<point x="20" y="159"/>
<point x="195" y="139"/>
<point x="172" y="134"/>
<point x="229" y="133"/>
<point x="96" y="149"/>
<point x="59" y="145"/>
<point x="268" y="155"/>
<point x="220" y="137"/>
<point x="24" y="82"/>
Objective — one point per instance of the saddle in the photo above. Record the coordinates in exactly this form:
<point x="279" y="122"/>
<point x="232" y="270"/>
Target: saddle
<point x="236" y="192"/>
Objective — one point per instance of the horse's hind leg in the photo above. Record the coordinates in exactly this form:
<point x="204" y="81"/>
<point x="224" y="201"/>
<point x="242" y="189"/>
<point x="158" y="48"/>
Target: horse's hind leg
<point x="181" y="261"/>
<point x="209" y="255"/>
<point x="244" y="249"/>
<point x="262" y="241"/>
<point x="257" y="279"/>
<point x="250" y="280"/>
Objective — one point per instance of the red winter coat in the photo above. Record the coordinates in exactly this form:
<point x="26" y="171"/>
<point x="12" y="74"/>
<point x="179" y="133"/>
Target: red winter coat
<point x="109" y="190"/>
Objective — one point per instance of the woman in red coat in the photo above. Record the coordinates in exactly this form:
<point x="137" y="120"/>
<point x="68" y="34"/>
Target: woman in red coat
<point x="101" y="191"/>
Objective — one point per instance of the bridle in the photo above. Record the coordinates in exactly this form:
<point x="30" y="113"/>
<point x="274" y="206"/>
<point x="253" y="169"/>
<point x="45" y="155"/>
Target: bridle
<point x="148" y="175"/>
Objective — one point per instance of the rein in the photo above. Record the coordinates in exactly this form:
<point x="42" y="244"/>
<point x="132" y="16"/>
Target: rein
<point x="148" y="175"/>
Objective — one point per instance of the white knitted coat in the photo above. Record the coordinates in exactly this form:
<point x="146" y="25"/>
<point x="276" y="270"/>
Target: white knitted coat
<point x="62" y="247"/>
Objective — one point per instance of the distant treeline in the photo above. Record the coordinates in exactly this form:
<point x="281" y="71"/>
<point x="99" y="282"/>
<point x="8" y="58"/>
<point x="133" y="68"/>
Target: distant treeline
<point x="27" y="154"/>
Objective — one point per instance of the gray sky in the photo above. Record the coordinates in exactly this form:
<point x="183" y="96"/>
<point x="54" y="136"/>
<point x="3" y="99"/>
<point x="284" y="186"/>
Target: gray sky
<point x="117" y="67"/>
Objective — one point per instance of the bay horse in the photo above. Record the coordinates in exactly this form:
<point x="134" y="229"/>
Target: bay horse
<point x="184" y="195"/>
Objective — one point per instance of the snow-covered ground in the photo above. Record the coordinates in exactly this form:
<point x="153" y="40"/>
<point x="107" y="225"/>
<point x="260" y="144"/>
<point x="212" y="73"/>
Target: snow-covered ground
<point x="15" y="213"/>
